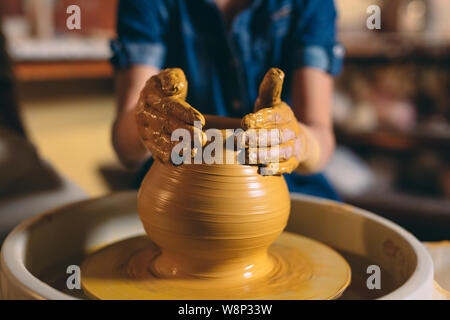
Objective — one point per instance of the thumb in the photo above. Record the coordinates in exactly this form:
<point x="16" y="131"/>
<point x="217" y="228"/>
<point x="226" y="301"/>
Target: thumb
<point x="270" y="89"/>
<point x="173" y="83"/>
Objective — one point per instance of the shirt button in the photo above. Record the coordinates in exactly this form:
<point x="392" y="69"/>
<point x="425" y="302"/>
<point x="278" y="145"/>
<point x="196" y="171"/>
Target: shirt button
<point x="237" y="104"/>
<point x="338" y="51"/>
<point x="234" y="63"/>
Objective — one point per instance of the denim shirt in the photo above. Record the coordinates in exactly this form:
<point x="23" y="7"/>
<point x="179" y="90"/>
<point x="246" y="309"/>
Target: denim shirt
<point x="224" y="66"/>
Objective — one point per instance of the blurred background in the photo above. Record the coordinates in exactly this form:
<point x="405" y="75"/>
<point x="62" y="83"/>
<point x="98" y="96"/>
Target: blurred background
<point x="391" y="108"/>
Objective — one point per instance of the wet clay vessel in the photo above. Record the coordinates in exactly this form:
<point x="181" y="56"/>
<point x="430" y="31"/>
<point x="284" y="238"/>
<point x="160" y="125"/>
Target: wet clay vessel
<point x="212" y="220"/>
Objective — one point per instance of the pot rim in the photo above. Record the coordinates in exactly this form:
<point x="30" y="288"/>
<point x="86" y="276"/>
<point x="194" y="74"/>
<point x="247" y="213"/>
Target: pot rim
<point x="12" y="264"/>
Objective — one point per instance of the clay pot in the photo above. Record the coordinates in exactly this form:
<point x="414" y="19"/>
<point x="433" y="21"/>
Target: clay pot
<point x="212" y="221"/>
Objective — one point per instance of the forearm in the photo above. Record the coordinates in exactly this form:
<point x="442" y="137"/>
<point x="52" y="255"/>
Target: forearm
<point x="311" y="100"/>
<point x="318" y="144"/>
<point x="125" y="138"/>
<point x="126" y="141"/>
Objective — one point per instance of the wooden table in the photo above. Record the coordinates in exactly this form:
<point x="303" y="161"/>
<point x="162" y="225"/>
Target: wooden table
<point x="62" y="70"/>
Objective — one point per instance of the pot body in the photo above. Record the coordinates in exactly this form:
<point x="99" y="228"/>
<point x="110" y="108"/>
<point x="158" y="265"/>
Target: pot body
<point x="212" y="220"/>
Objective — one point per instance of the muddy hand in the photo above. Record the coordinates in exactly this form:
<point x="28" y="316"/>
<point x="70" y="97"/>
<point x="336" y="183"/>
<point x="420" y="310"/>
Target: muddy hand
<point x="162" y="109"/>
<point x="272" y="133"/>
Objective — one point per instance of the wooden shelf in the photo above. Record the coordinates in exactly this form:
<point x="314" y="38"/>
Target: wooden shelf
<point x="379" y="46"/>
<point x="62" y="70"/>
<point x="393" y="141"/>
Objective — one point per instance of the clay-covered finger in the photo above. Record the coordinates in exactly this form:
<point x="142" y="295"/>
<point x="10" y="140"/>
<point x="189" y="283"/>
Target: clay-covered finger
<point x="275" y="154"/>
<point x="143" y="120"/>
<point x="168" y="125"/>
<point x="156" y="142"/>
<point x="262" y="137"/>
<point x="155" y="121"/>
<point x="179" y="109"/>
<point x="268" y="117"/>
<point x="196" y="132"/>
<point x="267" y="137"/>
<point x="270" y="89"/>
<point x="163" y="146"/>
<point x="159" y="147"/>
<point x="279" y="168"/>
<point x="168" y="83"/>
<point x="173" y="83"/>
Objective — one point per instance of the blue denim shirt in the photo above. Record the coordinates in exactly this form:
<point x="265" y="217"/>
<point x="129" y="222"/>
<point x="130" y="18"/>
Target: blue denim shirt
<point x="224" y="66"/>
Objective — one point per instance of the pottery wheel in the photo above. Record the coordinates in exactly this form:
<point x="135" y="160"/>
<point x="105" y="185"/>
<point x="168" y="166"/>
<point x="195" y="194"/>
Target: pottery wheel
<point x="304" y="269"/>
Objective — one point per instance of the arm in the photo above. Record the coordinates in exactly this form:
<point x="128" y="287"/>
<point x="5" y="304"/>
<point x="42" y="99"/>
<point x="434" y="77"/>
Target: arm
<point x="316" y="58"/>
<point x="126" y="141"/>
<point x="311" y="101"/>
<point x="139" y="51"/>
